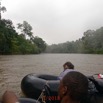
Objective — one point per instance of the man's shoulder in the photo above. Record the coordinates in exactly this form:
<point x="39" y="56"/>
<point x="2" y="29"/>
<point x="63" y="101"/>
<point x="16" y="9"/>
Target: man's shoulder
<point x="68" y="70"/>
<point x="62" y="74"/>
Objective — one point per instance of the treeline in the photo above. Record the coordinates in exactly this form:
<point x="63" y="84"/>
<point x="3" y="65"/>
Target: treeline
<point x="91" y="42"/>
<point x="23" y="42"/>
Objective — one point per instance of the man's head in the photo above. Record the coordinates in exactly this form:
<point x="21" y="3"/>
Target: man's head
<point x="68" y="65"/>
<point x="74" y="85"/>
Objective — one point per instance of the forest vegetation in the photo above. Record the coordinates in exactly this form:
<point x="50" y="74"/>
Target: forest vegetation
<point x="24" y="42"/>
<point x="91" y="42"/>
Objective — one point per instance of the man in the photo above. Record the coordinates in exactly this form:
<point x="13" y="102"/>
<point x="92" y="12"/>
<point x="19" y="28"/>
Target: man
<point x="68" y="67"/>
<point x="73" y="88"/>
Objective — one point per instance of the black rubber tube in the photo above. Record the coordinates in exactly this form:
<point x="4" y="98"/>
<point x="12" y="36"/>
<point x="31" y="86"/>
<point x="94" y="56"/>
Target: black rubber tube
<point x="27" y="100"/>
<point x="32" y="85"/>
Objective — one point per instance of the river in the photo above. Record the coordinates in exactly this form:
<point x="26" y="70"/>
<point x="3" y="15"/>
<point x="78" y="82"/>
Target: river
<point x="14" y="67"/>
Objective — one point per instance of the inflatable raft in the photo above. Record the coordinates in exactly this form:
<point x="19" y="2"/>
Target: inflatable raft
<point x="45" y="88"/>
<point x="27" y="100"/>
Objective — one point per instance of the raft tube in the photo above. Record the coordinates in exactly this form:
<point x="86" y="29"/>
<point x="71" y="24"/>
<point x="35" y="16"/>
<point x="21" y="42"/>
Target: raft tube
<point x="27" y="100"/>
<point x="32" y="85"/>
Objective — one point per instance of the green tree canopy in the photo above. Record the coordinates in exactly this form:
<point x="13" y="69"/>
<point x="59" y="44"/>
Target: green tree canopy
<point x="13" y="43"/>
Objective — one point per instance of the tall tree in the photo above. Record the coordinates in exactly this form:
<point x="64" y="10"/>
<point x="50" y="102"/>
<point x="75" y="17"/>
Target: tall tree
<point x="2" y="9"/>
<point x="7" y="34"/>
<point x="26" y="29"/>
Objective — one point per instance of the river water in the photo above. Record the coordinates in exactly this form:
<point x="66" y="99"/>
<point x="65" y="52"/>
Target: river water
<point x="14" y="67"/>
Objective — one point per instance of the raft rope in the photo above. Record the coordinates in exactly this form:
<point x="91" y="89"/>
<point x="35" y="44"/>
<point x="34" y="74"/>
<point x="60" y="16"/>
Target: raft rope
<point x="42" y="95"/>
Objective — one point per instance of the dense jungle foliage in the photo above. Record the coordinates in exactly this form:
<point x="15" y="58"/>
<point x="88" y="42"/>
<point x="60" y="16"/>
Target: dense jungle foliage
<point x="91" y="42"/>
<point x="24" y="42"/>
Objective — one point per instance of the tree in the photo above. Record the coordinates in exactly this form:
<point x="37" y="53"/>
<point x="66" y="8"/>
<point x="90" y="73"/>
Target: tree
<point x="7" y="34"/>
<point x="40" y="43"/>
<point x="26" y="29"/>
<point x="13" y="43"/>
<point x="2" y="9"/>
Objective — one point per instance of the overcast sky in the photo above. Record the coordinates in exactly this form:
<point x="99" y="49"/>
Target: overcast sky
<point x="56" y="21"/>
